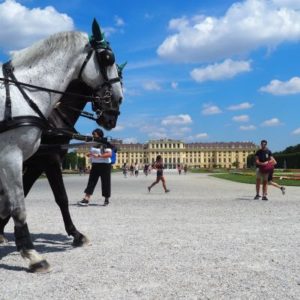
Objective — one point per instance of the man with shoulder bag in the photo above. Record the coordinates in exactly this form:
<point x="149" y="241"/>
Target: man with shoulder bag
<point x="264" y="165"/>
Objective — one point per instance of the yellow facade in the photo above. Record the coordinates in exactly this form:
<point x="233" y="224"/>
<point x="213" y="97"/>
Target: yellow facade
<point x="175" y="152"/>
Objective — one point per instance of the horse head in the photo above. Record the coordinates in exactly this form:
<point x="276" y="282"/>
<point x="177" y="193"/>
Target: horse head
<point x="102" y="73"/>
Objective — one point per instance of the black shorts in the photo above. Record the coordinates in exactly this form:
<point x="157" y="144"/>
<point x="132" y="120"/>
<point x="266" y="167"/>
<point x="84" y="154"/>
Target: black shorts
<point x="270" y="176"/>
<point x="159" y="173"/>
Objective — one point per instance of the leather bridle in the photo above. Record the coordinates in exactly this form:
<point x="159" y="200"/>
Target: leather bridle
<point x="104" y="101"/>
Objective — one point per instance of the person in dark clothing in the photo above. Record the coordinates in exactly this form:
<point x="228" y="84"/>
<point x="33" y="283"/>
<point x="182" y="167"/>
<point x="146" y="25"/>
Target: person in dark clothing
<point x="159" y="166"/>
<point x="263" y="157"/>
<point x="101" y="167"/>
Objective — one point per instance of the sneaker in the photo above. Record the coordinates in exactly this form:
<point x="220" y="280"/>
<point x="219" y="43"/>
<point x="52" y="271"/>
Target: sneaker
<point x="257" y="197"/>
<point x="167" y="191"/>
<point x="264" y="198"/>
<point x="283" y="190"/>
<point x="149" y="189"/>
<point x="83" y="202"/>
<point x="106" y="201"/>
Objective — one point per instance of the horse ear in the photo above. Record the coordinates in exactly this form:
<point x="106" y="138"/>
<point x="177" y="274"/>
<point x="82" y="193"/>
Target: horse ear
<point x="97" y="34"/>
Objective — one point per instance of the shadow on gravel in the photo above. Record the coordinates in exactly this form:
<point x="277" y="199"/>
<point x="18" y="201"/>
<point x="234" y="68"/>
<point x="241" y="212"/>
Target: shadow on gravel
<point x="43" y="242"/>
<point x="91" y="204"/>
<point x="245" y="198"/>
<point x="13" y="268"/>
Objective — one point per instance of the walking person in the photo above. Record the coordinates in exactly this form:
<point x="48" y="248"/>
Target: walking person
<point x="264" y="165"/>
<point x="131" y="170"/>
<point x="270" y="179"/>
<point x="101" y="167"/>
<point x="125" y="169"/>
<point x="185" y="169"/>
<point x="136" y="169"/>
<point x="179" y="169"/>
<point x="159" y="166"/>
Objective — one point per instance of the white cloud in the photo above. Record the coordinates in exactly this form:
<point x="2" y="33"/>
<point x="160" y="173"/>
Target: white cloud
<point x="178" y="24"/>
<point x="203" y="135"/>
<point x="277" y="87"/>
<point x="271" y="122"/>
<point x="108" y="31"/>
<point x="296" y="131"/>
<point x="174" y="85"/>
<point x="177" y="120"/>
<point x="157" y="135"/>
<point x="196" y="137"/>
<point x="224" y="70"/>
<point x="287" y="3"/>
<point x="130" y="140"/>
<point x="143" y="64"/>
<point x="241" y="118"/>
<point x="119" y="128"/>
<point x="211" y="110"/>
<point x="151" y="86"/>
<point x="22" y="26"/>
<point x="241" y="106"/>
<point x="131" y="92"/>
<point x="248" y="127"/>
<point x="245" y="26"/>
<point x="119" y="22"/>
<point x="181" y="130"/>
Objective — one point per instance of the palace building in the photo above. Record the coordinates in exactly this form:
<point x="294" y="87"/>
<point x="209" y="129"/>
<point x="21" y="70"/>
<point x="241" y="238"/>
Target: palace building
<point x="175" y="152"/>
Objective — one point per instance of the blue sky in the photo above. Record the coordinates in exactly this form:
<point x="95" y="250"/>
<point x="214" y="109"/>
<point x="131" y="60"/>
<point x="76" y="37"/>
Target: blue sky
<point x="199" y="71"/>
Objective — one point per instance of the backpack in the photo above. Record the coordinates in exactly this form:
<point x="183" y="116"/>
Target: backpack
<point x="113" y="158"/>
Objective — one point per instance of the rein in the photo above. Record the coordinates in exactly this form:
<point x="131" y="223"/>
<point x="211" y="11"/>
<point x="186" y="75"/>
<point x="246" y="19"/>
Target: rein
<point x="7" y="80"/>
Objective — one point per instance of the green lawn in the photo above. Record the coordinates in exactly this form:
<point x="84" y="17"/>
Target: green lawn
<point x="251" y="179"/>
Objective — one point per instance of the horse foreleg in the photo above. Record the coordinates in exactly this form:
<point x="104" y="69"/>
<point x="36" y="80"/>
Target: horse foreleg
<point x="54" y="175"/>
<point x="3" y="223"/>
<point x="24" y="244"/>
<point x="11" y="179"/>
<point x="29" y="177"/>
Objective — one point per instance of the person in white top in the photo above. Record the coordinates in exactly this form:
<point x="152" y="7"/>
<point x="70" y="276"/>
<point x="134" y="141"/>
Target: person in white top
<point x="101" y="167"/>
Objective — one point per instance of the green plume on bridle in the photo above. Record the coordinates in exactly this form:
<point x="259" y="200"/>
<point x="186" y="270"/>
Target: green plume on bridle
<point x="120" y="68"/>
<point x="97" y="39"/>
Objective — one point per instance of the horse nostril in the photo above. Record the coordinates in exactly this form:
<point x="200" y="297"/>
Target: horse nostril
<point x="120" y="101"/>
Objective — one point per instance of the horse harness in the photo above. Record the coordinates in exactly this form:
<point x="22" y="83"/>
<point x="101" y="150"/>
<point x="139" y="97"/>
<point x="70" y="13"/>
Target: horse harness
<point x="10" y="122"/>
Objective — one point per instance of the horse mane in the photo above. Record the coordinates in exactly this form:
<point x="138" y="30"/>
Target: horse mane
<point x="66" y="41"/>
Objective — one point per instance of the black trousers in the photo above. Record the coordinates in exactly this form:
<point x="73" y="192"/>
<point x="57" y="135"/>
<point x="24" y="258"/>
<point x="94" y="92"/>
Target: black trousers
<point x="103" y="171"/>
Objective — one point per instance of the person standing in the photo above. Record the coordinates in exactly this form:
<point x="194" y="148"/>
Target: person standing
<point x="159" y="166"/>
<point x="101" y="167"/>
<point x="263" y="159"/>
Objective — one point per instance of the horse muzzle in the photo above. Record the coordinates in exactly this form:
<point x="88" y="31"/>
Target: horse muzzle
<point x="108" y="119"/>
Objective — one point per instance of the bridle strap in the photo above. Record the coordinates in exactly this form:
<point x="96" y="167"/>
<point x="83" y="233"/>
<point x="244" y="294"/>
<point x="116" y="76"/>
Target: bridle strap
<point x="85" y="62"/>
<point x="107" y="82"/>
<point x="9" y="73"/>
<point x="7" y="113"/>
<point x="48" y="90"/>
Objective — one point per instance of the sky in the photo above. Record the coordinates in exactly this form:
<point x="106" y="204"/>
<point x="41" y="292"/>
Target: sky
<point x="197" y="71"/>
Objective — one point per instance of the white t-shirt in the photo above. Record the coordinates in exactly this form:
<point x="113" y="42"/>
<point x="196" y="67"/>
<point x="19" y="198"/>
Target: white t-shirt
<point x="102" y="160"/>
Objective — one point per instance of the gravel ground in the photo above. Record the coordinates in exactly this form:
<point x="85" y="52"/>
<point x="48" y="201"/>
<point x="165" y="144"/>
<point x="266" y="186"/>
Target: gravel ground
<point x="206" y="239"/>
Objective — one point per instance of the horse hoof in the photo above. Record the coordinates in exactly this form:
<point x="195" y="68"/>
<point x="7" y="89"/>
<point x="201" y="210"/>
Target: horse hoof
<point x="81" y="241"/>
<point x="40" y="267"/>
<point x="3" y="239"/>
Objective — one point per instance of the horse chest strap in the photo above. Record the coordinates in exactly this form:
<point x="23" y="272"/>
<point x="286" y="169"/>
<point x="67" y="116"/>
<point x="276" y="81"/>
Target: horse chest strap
<point x="7" y="112"/>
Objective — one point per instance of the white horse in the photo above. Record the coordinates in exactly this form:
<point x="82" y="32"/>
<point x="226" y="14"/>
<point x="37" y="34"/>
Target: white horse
<point x="52" y="63"/>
